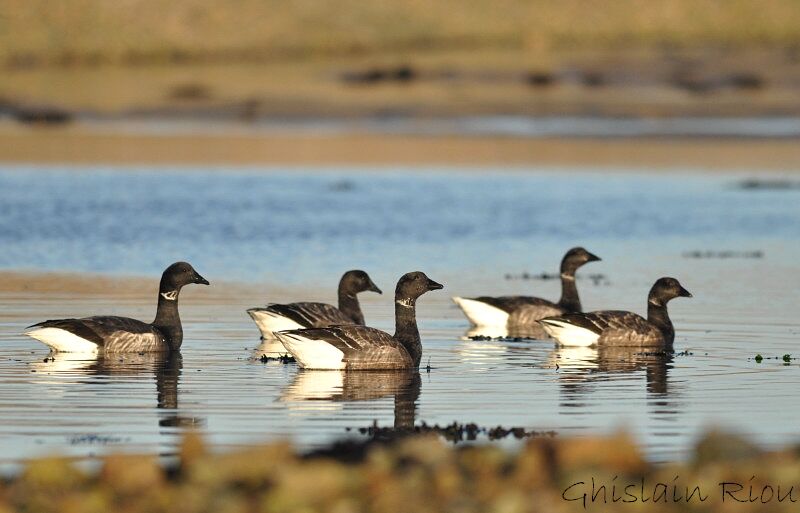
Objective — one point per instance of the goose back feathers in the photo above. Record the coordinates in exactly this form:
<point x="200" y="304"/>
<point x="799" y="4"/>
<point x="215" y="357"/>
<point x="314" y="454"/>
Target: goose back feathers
<point x="282" y="317"/>
<point x="354" y="347"/>
<point x="525" y="310"/>
<point x="121" y="334"/>
<point x="621" y="328"/>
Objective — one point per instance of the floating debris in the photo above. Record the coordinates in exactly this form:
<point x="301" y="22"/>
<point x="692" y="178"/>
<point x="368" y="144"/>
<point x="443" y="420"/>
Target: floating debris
<point x="768" y="185"/>
<point x="93" y="439"/>
<point x="342" y="186"/>
<point x="665" y="353"/>
<point x="724" y="254"/>
<point x="596" y="279"/>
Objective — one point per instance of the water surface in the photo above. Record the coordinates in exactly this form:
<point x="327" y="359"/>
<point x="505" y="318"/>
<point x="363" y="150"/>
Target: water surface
<point x="295" y="230"/>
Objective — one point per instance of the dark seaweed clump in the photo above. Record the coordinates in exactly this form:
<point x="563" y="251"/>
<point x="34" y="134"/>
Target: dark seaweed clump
<point x="454" y="432"/>
<point x="284" y="359"/>
<point x="787" y="358"/>
<point x="481" y="338"/>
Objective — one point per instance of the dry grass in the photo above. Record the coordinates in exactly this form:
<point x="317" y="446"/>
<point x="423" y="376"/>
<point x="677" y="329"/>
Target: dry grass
<point x="92" y="31"/>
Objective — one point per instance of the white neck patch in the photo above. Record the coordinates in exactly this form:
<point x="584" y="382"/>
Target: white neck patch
<point x="170" y="296"/>
<point x="567" y="277"/>
<point x="408" y="303"/>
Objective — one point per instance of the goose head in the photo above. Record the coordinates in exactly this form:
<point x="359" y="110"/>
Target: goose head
<point x="665" y="289"/>
<point x="413" y="285"/>
<point x="357" y="281"/>
<point x="178" y="275"/>
<point x="575" y="258"/>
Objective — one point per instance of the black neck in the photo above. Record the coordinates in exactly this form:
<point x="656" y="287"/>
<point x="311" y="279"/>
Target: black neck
<point x="657" y="315"/>
<point x="406" y="332"/>
<point x="348" y="304"/>
<point x="569" y="292"/>
<point x="167" y="319"/>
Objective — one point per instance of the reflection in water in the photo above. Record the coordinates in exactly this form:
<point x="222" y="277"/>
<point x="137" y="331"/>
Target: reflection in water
<point x="581" y="368"/>
<point x="166" y="368"/>
<point x="328" y="388"/>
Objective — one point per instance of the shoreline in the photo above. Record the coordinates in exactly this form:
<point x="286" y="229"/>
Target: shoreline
<point x="75" y="145"/>
<point x="106" y="284"/>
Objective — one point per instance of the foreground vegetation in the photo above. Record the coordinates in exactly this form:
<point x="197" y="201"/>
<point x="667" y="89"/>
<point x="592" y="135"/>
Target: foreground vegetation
<point x="39" y="32"/>
<point x="420" y="474"/>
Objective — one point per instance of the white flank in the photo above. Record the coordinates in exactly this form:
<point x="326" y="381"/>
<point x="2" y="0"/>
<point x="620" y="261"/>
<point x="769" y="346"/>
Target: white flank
<point x="62" y="340"/>
<point x="481" y="314"/>
<point x="568" y="334"/>
<point x="311" y="353"/>
<point x="269" y="323"/>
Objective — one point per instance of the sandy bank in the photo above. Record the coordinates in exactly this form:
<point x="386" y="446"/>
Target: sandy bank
<point x="106" y="285"/>
<point x="77" y="146"/>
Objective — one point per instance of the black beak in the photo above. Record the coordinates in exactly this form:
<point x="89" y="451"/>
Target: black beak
<point x="199" y="279"/>
<point x="432" y="285"/>
<point x="592" y="257"/>
<point x="374" y="288"/>
<point x="684" y="293"/>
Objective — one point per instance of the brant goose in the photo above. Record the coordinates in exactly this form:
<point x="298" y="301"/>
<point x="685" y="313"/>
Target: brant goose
<point x="294" y="316"/>
<point x="620" y="328"/>
<point x="121" y="334"/>
<point x="518" y="311"/>
<point x="354" y="347"/>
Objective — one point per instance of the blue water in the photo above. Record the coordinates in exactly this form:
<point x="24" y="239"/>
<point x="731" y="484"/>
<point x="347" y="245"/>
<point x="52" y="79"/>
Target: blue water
<point x="297" y="226"/>
<point x="294" y="230"/>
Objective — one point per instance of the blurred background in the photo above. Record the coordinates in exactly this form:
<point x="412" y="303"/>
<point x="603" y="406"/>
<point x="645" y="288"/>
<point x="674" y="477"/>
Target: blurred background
<point x="351" y="81"/>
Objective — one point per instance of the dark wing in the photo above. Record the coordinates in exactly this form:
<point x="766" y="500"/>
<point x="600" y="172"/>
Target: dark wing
<point x="311" y="315"/>
<point x="598" y="322"/>
<point x="113" y="334"/>
<point x="616" y="327"/>
<point x="362" y="347"/>
<point x="511" y="304"/>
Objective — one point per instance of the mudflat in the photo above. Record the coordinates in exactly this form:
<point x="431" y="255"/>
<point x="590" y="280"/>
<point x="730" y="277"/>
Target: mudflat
<point x="77" y="146"/>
